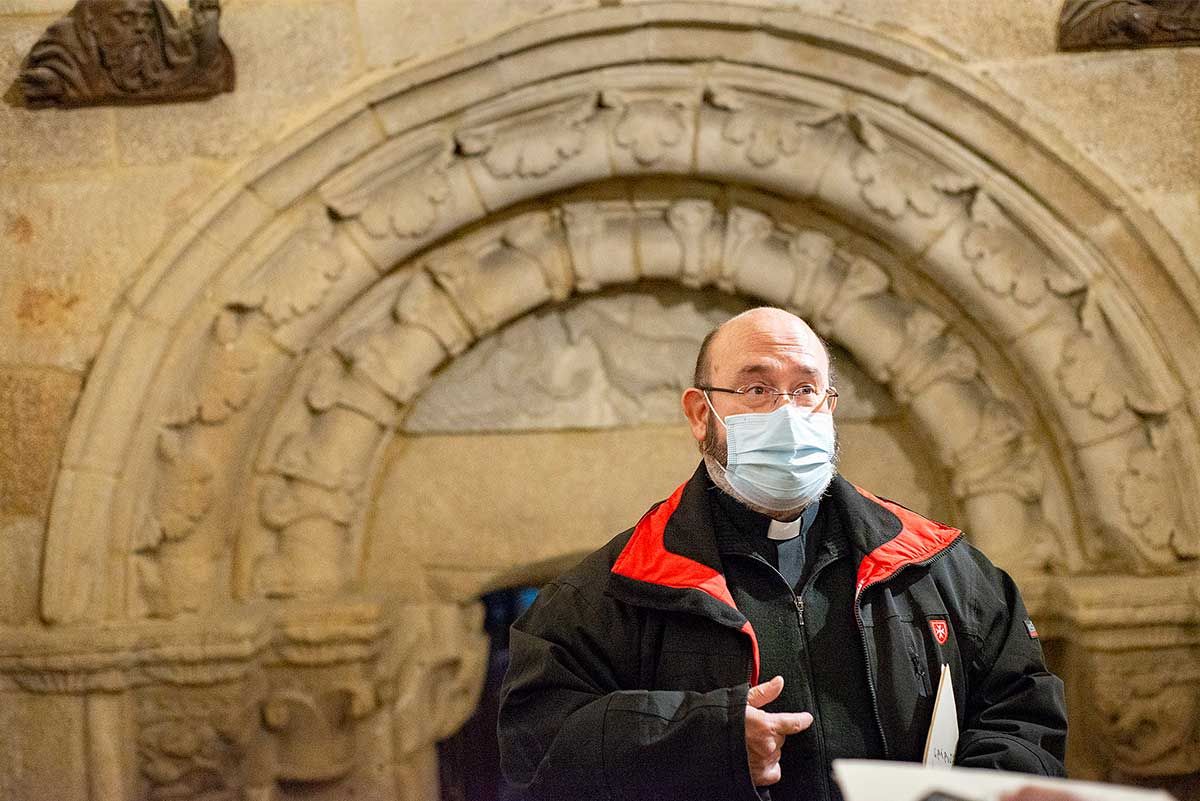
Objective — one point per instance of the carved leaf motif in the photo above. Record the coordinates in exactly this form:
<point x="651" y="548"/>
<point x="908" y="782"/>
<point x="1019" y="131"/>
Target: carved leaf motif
<point x="294" y="279"/>
<point x="648" y="128"/>
<point x="535" y="146"/>
<point x="185" y="490"/>
<point x="227" y="384"/>
<point x="1151" y="510"/>
<point x="1082" y="374"/>
<point x="407" y="209"/>
<point x="1001" y="259"/>
<point x="769" y="133"/>
<point x="892" y="183"/>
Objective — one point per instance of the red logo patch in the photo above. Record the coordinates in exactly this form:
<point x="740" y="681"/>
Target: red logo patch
<point x="941" y="632"/>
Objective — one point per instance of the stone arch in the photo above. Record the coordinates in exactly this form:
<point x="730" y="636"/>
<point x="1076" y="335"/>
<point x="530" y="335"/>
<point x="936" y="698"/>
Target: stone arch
<point x="436" y="203"/>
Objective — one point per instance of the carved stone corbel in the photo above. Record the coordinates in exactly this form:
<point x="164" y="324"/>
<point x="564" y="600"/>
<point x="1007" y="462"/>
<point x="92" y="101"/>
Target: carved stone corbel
<point x="1111" y="24"/>
<point x="120" y="52"/>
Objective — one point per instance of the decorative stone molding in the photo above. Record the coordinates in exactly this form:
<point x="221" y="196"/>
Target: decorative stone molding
<point x="240" y="705"/>
<point x="107" y="52"/>
<point x="1105" y="24"/>
<point x="911" y="213"/>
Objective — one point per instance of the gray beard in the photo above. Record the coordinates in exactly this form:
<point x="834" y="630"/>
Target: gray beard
<point x="716" y="454"/>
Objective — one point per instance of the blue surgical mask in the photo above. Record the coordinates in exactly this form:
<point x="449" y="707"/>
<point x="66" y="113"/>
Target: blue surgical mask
<point x="780" y="460"/>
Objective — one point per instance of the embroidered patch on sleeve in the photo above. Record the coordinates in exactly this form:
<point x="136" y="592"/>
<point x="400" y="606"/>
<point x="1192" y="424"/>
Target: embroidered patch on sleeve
<point x="1032" y="629"/>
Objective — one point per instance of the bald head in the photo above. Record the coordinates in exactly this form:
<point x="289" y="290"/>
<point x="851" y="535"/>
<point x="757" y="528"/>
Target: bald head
<point x="771" y="332"/>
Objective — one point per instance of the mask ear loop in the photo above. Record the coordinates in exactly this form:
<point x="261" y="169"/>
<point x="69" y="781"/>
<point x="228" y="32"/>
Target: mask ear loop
<point x="716" y="414"/>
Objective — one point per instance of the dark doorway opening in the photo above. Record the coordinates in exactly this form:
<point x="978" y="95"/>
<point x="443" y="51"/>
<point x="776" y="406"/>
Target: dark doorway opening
<point x="469" y="761"/>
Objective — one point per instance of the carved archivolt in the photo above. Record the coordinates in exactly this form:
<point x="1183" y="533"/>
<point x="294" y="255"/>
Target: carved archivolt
<point x="264" y="362"/>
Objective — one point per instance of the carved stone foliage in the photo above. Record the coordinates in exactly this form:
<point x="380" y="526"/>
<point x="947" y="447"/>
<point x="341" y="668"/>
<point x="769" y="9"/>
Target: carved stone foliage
<point x="1103" y="24"/>
<point x="128" y="51"/>
<point x="245" y="451"/>
<point x="1151" y="705"/>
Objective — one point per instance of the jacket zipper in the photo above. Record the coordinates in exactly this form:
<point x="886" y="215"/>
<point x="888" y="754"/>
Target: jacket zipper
<point x="862" y="631"/>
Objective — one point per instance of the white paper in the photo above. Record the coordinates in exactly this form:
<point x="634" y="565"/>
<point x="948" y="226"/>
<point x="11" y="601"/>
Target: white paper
<point x="870" y="780"/>
<point x="942" y="739"/>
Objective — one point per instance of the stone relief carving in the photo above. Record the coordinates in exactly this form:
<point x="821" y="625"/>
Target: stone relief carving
<point x="228" y="377"/>
<point x="600" y="363"/>
<point x="768" y="128"/>
<point x="1102" y="24"/>
<point x="1005" y="261"/>
<point x="648" y="127"/>
<point x="335" y="421"/>
<point x="128" y="51"/>
<point x="894" y="183"/>
<point x="507" y="149"/>
<point x="191" y="741"/>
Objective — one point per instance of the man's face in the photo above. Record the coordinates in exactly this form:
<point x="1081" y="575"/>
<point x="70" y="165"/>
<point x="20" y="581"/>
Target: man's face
<point x="768" y="347"/>
<point x="124" y="31"/>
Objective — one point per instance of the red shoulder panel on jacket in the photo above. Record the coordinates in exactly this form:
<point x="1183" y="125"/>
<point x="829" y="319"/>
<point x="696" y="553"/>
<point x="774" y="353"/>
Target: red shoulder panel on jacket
<point x="646" y="558"/>
<point x="919" y="539"/>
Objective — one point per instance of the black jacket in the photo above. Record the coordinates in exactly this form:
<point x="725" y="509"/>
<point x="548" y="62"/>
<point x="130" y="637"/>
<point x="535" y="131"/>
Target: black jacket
<point x="629" y="674"/>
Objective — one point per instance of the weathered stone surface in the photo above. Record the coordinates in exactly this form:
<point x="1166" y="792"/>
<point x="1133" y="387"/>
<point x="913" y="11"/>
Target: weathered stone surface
<point x="21" y="539"/>
<point x="457" y="22"/>
<point x="35" y="408"/>
<point x="51" y="140"/>
<point x="289" y="57"/>
<point x="68" y="247"/>
<point x="1148" y="144"/>
<point x="57" y="771"/>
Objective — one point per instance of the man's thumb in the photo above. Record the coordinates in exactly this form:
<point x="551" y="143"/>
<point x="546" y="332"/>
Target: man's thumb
<point x="762" y="694"/>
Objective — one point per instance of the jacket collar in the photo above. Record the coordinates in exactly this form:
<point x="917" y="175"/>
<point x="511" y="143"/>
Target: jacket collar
<point x="671" y="561"/>
<point x="887" y="536"/>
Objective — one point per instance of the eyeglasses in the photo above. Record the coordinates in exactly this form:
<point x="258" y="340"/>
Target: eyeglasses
<point x="765" y="398"/>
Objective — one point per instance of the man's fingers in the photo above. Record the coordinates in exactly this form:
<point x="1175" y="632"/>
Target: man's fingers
<point x="786" y="723"/>
<point x="762" y="694"/>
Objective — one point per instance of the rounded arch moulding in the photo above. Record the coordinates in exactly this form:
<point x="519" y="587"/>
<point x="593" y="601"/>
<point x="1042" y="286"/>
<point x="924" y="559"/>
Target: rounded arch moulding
<point x="999" y="284"/>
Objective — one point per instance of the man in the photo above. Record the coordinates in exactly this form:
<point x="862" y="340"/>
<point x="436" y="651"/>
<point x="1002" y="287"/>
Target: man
<point x="769" y="617"/>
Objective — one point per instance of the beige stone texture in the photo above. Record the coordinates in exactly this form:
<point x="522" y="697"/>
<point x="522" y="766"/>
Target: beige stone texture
<point x="40" y="141"/>
<point x="454" y="23"/>
<point x="1134" y="114"/>
<point x="48" y="773"/>
<point x="70" y="244"/>
<point x="21" y="540"/>
<point x="35" y="406"/>
<point x="289" y="57"/>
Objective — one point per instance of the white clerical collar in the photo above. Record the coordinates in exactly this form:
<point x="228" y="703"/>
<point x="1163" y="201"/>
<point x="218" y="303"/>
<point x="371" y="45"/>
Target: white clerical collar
<point x="781" y="530"/>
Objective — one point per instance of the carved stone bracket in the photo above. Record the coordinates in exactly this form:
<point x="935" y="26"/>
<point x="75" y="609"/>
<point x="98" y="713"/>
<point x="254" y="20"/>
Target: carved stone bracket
<point x="109" y="52"/>
<point x="1108" y="24"/>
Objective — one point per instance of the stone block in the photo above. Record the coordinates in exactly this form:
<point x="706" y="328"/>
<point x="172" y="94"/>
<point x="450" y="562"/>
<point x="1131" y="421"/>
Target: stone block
<point x="20" y="570"/>
<point x="70" y="244"/>
<point x="289" y="56"/>
<point x="47" y="760"/>
<point x="1135" y="112"/>
<point x="35" y="410"/>
<point x="456" y="22"/>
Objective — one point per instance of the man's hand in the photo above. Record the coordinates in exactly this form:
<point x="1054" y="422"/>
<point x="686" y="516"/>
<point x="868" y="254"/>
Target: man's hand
<point x="766" y="731"/>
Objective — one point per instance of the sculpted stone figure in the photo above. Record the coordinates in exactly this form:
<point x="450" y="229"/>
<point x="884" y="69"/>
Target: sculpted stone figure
<point x="128" y="51"/>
